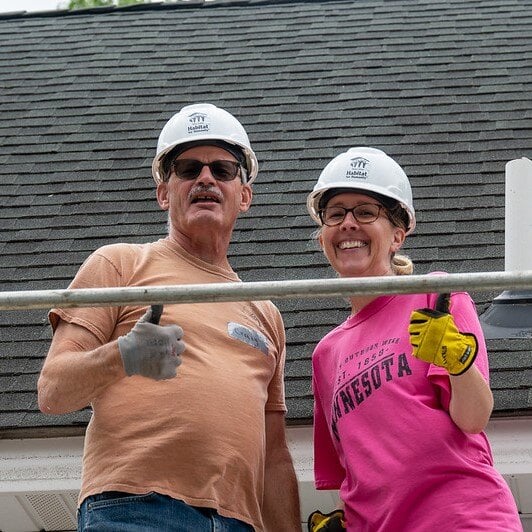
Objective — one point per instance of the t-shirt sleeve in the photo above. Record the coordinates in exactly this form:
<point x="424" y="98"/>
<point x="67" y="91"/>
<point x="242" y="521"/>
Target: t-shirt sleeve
<point x="98" y="271"/>
<point x="276" y="389"/>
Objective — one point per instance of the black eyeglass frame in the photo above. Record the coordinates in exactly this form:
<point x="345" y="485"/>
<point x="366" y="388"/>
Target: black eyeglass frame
<point x="353" y="212"/>
<point x="236" y="168"/>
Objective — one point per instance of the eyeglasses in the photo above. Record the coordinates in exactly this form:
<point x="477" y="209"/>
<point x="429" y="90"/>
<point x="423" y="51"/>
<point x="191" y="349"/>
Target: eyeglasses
<point x="221" y="170"/>
<point x="365" y="213"/>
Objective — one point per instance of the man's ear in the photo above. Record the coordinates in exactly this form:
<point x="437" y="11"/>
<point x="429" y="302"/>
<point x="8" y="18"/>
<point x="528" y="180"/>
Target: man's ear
<point x="162" y="195"/>
<point x="246" y="195"/>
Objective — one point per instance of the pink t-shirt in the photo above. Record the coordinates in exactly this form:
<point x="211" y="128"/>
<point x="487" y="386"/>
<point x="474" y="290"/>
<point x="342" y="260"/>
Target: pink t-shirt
<point x="383" y="434"/>
<point x="198" y="437"/>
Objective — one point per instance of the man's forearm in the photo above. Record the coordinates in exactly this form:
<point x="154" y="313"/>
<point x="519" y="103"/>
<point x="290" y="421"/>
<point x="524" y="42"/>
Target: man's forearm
<point x="72" y="376"/>
<point x="281" y="511"/>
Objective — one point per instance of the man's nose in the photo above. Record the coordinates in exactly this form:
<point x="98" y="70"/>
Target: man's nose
<point x="205" y="176"/>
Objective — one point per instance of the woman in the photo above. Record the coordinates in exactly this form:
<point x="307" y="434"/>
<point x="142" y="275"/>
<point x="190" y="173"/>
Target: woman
<point x="401" y="390"/>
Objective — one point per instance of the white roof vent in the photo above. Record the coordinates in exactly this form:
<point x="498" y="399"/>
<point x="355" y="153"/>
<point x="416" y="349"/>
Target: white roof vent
<point x="510" y="314"/>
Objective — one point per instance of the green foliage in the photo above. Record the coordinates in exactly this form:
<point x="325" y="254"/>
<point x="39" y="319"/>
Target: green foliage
<point x="131" y="2"/>
<point x="84" y="4"/>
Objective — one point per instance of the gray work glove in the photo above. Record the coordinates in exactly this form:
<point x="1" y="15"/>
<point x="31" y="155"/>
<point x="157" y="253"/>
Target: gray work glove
<point x="152" y="350"/>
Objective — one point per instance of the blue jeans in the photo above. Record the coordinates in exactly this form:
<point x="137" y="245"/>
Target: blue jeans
<point x="123" y="512"/>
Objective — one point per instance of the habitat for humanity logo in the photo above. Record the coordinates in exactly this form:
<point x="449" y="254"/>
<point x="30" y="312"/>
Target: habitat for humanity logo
<point x="198" y="123"/>
<point x="358" y="168"/>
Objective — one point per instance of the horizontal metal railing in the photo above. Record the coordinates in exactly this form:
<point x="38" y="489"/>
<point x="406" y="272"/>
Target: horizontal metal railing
<point x="247" y="291"/>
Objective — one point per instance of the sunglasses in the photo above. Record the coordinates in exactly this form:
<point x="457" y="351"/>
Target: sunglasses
<point x="221" y="170"/>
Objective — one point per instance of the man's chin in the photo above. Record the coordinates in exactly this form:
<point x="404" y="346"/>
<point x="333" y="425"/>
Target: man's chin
<point x="206" y="216"/>
<point x="205" y="209"/>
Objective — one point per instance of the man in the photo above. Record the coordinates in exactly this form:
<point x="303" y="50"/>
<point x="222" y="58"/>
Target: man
<point x="186" y="435"/>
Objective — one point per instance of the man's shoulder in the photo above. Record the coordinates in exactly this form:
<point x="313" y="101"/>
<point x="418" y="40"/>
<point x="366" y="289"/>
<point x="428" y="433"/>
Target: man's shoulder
<point x="118" y="256"/>
<point x="120" y="249"/>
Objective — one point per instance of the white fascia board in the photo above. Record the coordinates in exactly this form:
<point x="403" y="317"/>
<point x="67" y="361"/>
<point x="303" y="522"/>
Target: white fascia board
<point x="510" y="440"/>
<point x="53" y="465"/>
<point x="43" y="464"/>
<point x="46" y="463"/>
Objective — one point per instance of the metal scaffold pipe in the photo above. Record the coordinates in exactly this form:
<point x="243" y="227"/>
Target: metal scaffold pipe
<point x="247" y="291"/>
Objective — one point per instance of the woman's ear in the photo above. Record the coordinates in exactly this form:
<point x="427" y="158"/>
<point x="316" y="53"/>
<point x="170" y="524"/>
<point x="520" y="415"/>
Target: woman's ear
<point x="399" y="235"/>
<point x="320" y="239"/>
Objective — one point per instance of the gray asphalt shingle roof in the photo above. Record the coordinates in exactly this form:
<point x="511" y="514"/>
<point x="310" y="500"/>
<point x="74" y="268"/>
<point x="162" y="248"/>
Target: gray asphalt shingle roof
<point x="442" y="86"/>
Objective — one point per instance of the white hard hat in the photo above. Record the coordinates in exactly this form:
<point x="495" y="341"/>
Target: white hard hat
<point x="367" y="170"/>
<point x="201" y="123"/>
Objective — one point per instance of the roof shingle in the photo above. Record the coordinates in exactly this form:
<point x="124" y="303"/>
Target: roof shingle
<point x="442" y="86"/>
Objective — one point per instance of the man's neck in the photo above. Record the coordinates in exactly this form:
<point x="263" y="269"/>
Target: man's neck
<point x="208" y="247"/>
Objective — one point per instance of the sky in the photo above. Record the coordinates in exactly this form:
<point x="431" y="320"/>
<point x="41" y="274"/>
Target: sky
<point x="29" y="5"/>
<point x="32" y="5"/>
<point x="35" y="5"/>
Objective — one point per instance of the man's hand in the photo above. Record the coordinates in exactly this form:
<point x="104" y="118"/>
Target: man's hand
<point x="152" y="350"/>
<point x="436" y="339"/>
<point x="332" y="522"/>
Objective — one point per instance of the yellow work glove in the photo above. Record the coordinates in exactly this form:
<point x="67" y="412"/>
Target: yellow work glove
<point x="332" y="522"/>
<point x="436" y="339"/>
